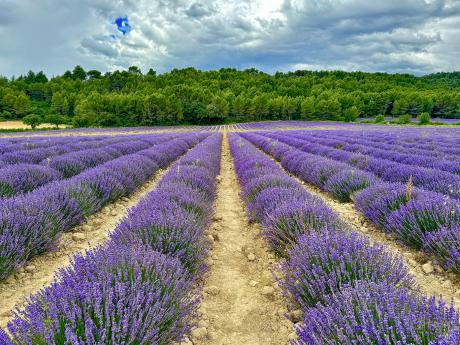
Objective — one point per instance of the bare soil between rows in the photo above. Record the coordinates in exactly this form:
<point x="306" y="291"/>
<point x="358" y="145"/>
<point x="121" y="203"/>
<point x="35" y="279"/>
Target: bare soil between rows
<point x="242" y="302"/>
<point x="40" y="271"/>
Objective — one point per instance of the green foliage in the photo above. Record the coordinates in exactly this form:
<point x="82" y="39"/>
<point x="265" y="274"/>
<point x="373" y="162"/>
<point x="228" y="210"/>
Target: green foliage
<point x="424" y="119"/>
<point x="351" y="114"/>
<point x="32" y="120"/>
<point x="55" y="120"/>
<point x="404" y="119"/>
<point x="379" y="118"/>
<point x="190" y="96"/>
<point x="78" y="73"/>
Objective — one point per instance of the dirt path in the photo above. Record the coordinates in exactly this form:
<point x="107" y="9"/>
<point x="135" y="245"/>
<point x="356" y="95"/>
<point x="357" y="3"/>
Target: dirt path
<point x="431" y="278"/>
<point x="39" y="272"/>
<point x="241" y="303"/>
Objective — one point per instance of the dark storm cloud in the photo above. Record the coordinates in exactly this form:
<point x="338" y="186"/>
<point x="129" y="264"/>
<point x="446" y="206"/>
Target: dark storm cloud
<point x="415" y="36"/>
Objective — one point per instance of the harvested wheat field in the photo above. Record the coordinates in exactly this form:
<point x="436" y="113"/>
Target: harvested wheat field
<point x="283" y="232"/>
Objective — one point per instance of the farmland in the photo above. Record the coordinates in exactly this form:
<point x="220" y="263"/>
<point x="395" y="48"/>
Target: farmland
<point x="253" y="233"/>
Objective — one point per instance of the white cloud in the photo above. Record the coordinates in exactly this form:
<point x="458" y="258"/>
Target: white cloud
<point x="415" y="36"/>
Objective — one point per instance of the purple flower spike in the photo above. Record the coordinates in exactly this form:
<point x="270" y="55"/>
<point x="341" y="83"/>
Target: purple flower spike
<point x="323" y="263"/>
<point x="373" y="313"/>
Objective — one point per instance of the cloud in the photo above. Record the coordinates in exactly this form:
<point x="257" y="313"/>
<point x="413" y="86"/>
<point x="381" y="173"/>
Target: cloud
<point x="414" y="36"/>
<point x="198" y="10"/>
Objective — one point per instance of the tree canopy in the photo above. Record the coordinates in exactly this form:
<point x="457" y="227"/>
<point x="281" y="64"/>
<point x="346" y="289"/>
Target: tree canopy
<point x="191" y="96"/>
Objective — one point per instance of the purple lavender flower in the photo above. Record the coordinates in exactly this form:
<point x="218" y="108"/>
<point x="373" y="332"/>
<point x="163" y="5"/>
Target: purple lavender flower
<point x="257" y="185"/>
<point x="23" y="178"/>
<point x="284" y="225"/>
<point x="125" y="296"/>
<point x="165" y="227"/>
<point x="345" y="183"/>
<point x="323" y="263"/>
<point x="379" y="313"/>
<point x="445" y="244"/>
<point x="412" y="221"/>
<point x="268" y="200"/>
<point x="4" y="338"/>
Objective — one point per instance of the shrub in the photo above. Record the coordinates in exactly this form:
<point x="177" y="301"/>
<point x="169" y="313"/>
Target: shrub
<point x="445" y="244"/>
<point x="424" y="119"/>
<point x="379" y="201"/>
<point x="413" y="220"/>
<point x="23" y="178"/>
<point x="374" y="313"/>
<point x="404" y="119"/>
<point x="164" y="226"/>
<point x="322" y="264"/>
<point x="343" y="184"/>
<point x="124" y="296"/>
<point x="258" y="184"/>
<point x="271" y="198"/>
<point x="290" y="220"/>
<point x="379" y="119"/>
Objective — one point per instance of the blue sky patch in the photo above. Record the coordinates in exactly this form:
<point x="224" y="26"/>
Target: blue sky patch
<point x="122" y="24"/>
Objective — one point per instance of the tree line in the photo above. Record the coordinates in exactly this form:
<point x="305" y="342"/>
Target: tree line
<point x="190" y="96"/>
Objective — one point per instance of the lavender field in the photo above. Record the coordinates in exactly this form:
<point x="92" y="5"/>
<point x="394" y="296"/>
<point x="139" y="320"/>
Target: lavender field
<point x="283" y="232"/>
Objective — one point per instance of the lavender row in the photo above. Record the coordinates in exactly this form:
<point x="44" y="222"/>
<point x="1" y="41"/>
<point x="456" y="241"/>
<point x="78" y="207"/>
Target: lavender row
<point x="141" y="287"/>
<point x="57" y="147"/>
<point x="31" y="143"/>
<point x="72" y="163"/>
<point x="422" y="147"/>
<point x="30" y="223"/>
<point x="23" y="178"/>
<point x="365" y="147"/>
<point x="429" y="179"/>
<point x="442" y="142"/>
<point x="350" y="291"/>
<point x="422" y="219"/>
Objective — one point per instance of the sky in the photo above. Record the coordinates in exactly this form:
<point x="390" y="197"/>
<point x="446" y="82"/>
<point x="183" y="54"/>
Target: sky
<point x="396" y="36"/>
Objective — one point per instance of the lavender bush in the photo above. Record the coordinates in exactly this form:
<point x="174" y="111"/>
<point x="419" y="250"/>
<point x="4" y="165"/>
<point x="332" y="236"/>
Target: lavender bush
<point x="323" y="263"/>
<point x="445" y="244"/>
<point x="290" y="220"/>
<point x="343" y="184"/>
<point x="23" y="178"/>
<point x="413" y="220"/>
<point x="268" y="200"/>
<point x="125" y="296"/>
<point x="165" y="227"/>
<point x="379" y="201"/>
<point x="373" y="313"/>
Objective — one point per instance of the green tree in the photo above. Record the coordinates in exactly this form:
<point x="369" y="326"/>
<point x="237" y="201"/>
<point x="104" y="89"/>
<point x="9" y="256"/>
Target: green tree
<point x="307" y="108"/>
<point x="59" y="103"/>
<point x="400" y="107"/>
<point x="94" y="74"/>
<point x="55" y="120"/>
<point x="32" y="120"/>
<point x="351" y="114"/>
<point x="21" y="105"/>
<point x="79" y="73"/>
